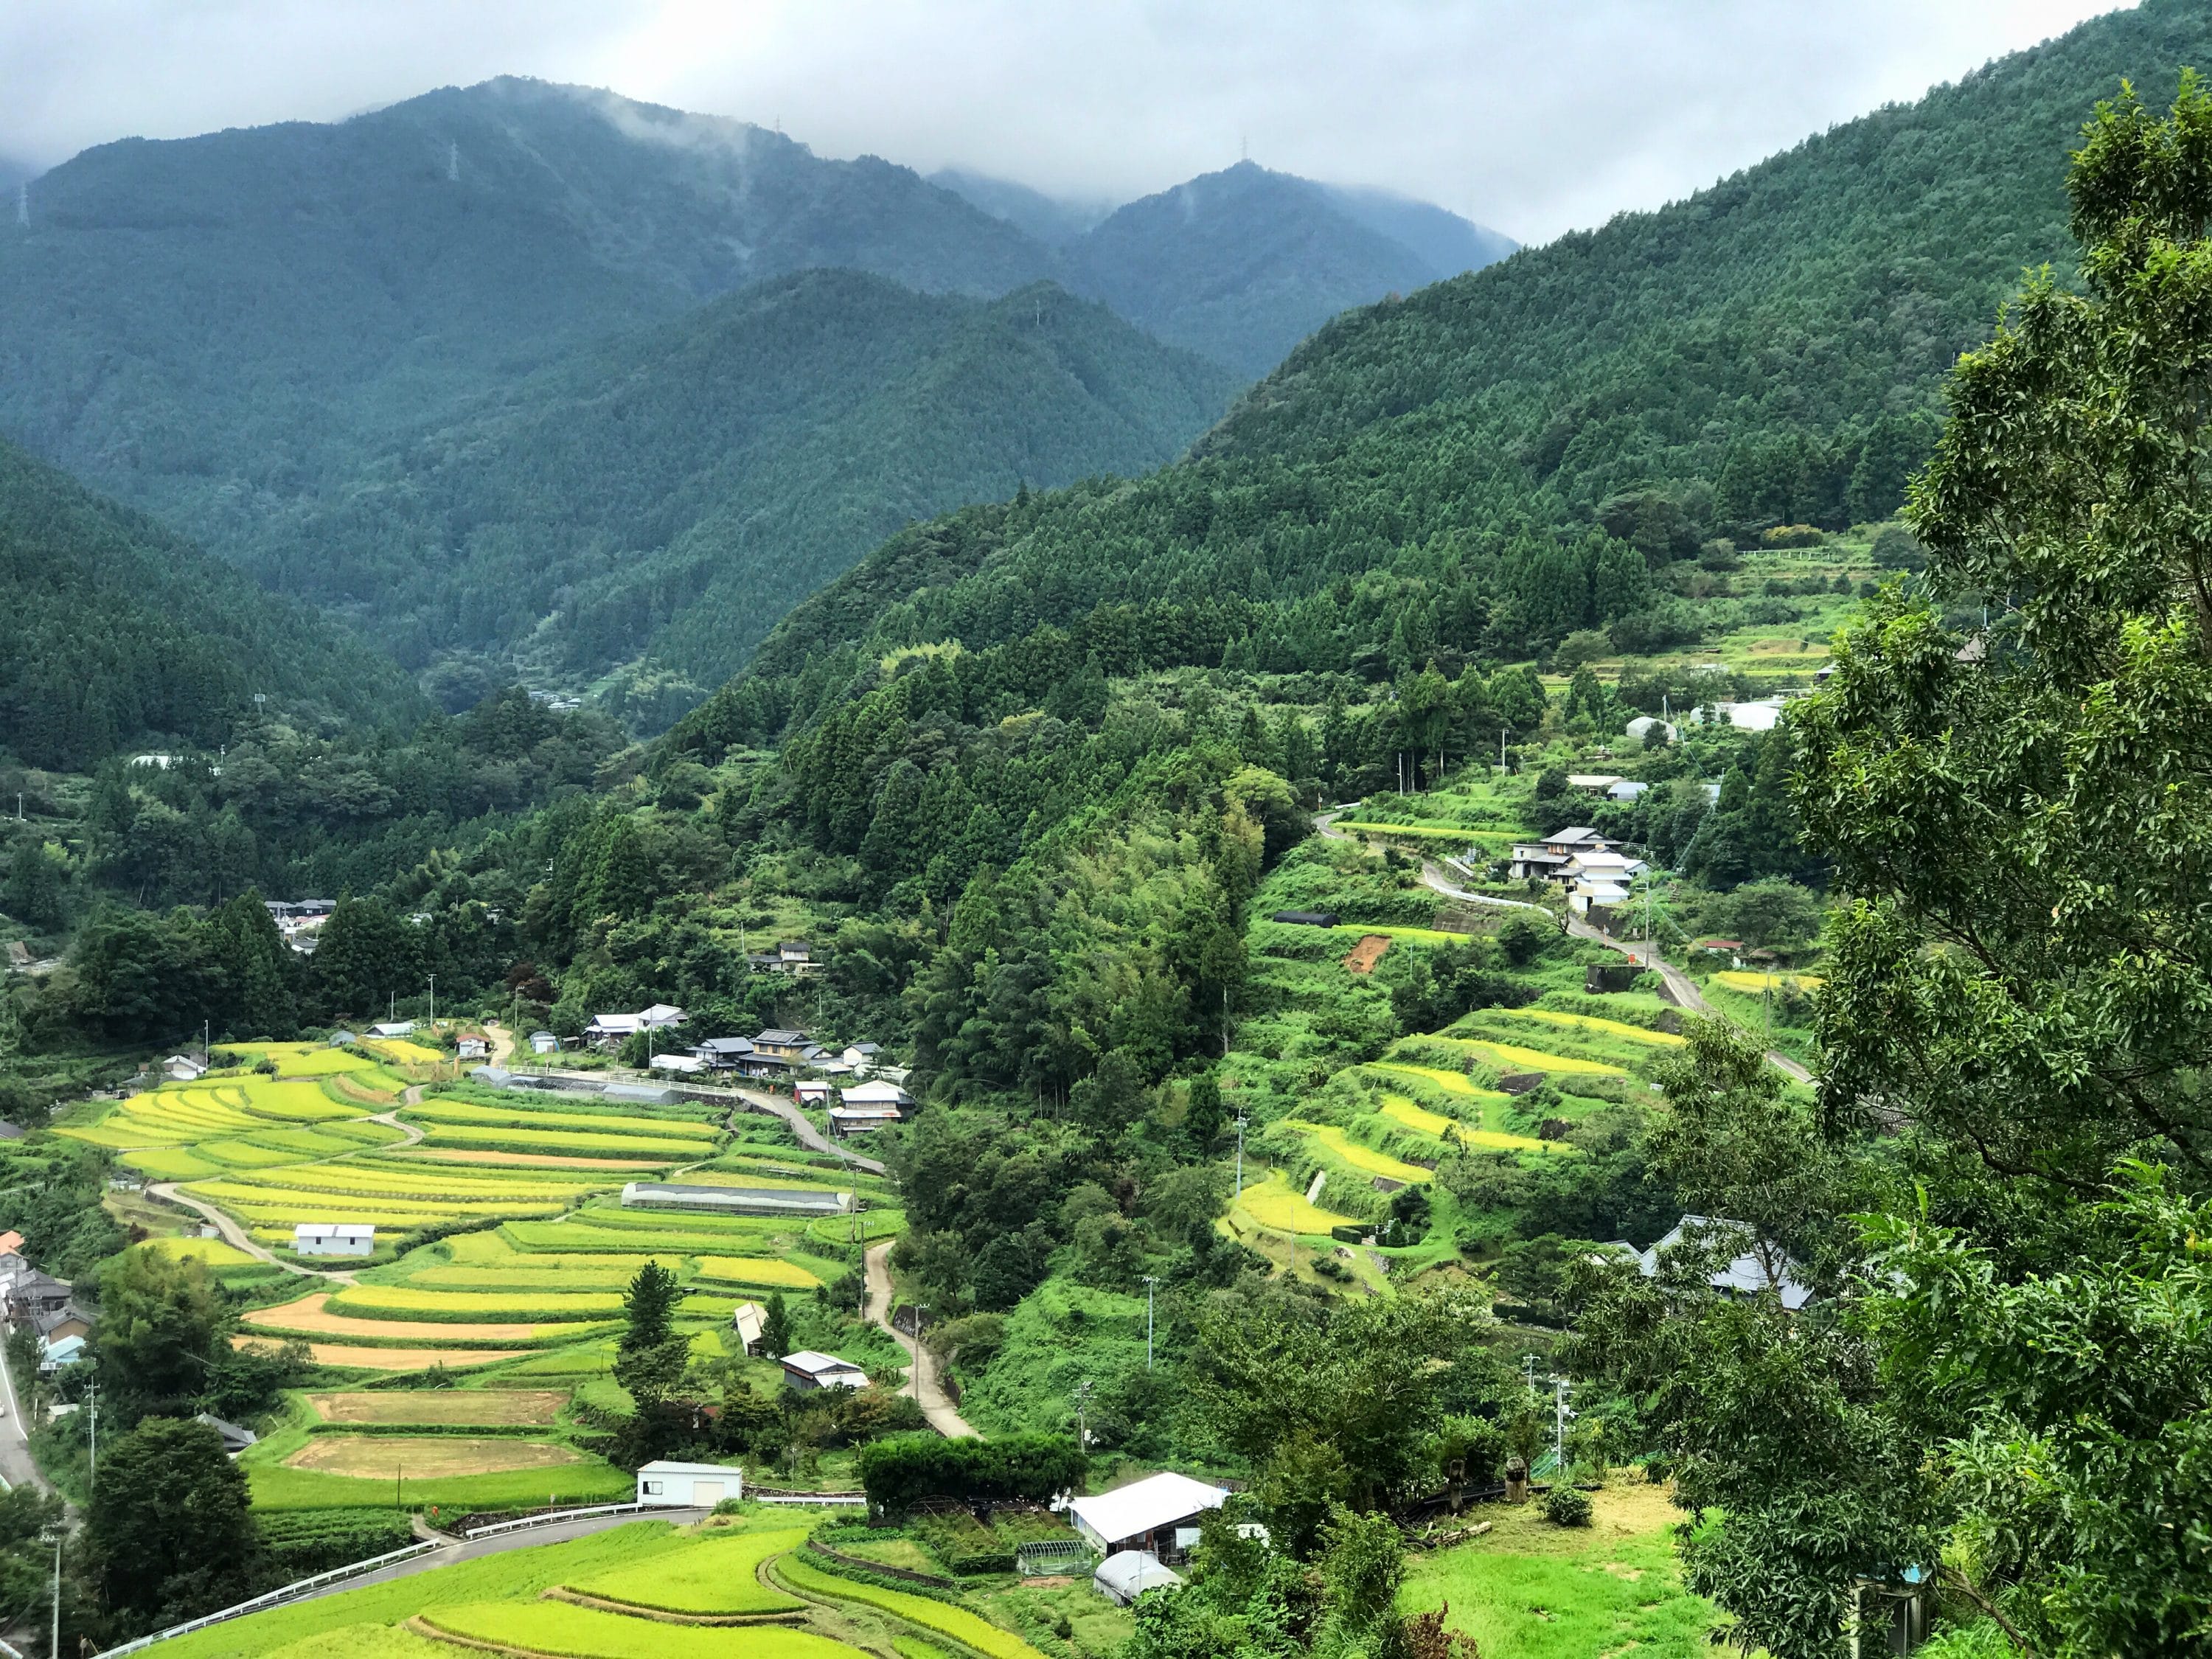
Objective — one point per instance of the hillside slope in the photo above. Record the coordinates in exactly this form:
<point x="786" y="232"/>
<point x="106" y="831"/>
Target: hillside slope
<point x="678" y="490"/>
<point x="1488" y="464"/>
<point x="115" y="632"/>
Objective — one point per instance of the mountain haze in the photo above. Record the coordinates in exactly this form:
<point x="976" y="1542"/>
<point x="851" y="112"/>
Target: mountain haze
<point x="1460" y="472"/>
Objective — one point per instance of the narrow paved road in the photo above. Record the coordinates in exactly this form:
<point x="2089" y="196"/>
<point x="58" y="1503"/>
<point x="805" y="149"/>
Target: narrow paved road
<point x="1680" y="987"/>
<point x="928" y="1391"/>
<point x="558" y="1532"/>
<point x="807" y="1133"/>
<point x="17" y="1467"/>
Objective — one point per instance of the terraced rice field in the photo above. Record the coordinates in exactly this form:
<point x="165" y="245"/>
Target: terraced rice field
<point x="1399" y="1109"/>
<point x="428" y="1456"/>
<point x="469" y="1408"/>
<point x="1514" y="1058"/>
<point x="555" y="1627"/>
<point x="968" y="1628"/>
<point x="211" y="1251"/>
<point x="608" y="1123"/>
<point x="1366" y="1159"/>
<point x="1452" y="1083"/>
<point x="1756" y="984"/>
<point x="409" y="1303"/>
<point x="353" y="1358"/>
<point x="757" y="1270"/>
<point x="309" y="1317"/>
<point x="1272" y="1204"/>
<point x="572" y="1143"/>
<point x="1592" y="1022"/>
<point x="714" y="1575"/>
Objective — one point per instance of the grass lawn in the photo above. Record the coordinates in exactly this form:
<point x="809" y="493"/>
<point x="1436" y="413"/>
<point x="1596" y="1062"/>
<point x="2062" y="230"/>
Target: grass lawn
<point x="1531" y="1590"/>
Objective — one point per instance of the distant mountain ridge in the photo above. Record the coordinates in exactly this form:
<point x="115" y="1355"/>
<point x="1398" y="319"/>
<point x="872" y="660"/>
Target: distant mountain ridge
<point x="254" y="332"/>
<point x="1242" y="264"/>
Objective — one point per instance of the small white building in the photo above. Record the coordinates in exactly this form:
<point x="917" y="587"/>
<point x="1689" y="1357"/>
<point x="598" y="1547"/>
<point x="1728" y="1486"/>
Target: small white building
<point x="544" y="1043"/>
<point x="472" y="1045"/>
<point x="1144" y="1514"/>
<point x="747" y="1321"/>
<point x="810" y="1091"/>
<point x="807" y="1370"/>
<point x="334" y="1238"/>
<point x="393" y="1028"/>
<point x="1761" y="1268"/>
<point x="689" y="1485"/>
<point x="183" y="1069"/>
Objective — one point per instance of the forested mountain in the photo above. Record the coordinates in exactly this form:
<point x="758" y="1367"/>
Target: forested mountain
<point x="1049" y="219"/>
<point x="1480" y="468"/>
<point x="676" y="491"/>
<point x="312" y="348"/>
<point x="1244" y="264"/>
<point x="115" y="631"/>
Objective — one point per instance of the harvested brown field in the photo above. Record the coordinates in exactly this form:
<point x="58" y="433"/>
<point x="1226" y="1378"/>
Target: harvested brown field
<point x="306" y="1316"/>
<point x="425" y="1457"/>
<point x="387" y="1359"/>
<point x="1369" y="951"/>
<point x="510" y="1407"/>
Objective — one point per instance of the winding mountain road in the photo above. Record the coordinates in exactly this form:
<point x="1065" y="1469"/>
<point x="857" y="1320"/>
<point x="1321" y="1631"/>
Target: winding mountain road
<point x="928" y="1388"/>
<point x="1681" y="989"/>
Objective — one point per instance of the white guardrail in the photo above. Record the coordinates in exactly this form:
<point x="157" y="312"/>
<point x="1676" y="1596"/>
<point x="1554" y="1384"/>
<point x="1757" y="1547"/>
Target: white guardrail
<point x="274" y="1598"/>
<point x="554" y="1517"/>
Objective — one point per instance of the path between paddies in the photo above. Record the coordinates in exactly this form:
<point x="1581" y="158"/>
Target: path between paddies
<point x="928" y="1390"/>
<point x="237" y="1237"/>
<point x="1681" y="989"/>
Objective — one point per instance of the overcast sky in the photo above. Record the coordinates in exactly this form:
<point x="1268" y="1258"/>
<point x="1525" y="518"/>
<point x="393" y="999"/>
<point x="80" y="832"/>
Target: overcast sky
<point x="1532" y="116"/>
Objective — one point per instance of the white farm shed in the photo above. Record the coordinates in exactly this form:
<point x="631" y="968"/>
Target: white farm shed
<point x="334" y="1238"/>
<point x="1126" y="1577"/>
<point x="689" y="1485"/>
<point x="1144" y="1514"/>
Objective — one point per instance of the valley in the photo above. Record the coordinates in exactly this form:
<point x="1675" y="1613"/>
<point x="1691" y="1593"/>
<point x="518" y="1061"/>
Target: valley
<point x="759" y="902"/>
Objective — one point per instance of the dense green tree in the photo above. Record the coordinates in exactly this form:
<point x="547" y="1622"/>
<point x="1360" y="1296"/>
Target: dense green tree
<point x="170" y="1527"/>
<point x="162" y="1327"/>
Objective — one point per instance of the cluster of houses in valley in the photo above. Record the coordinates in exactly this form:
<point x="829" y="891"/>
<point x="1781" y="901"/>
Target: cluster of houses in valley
<point x="1594" y="869"/>
<point x="857" y="1088"/>
<point x="45" y="1305"/>
<point x="300" y="920"/>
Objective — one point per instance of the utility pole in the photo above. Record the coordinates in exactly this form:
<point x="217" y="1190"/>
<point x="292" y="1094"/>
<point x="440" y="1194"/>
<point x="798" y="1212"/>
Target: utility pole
<point x="1240" y="1157"/>
<point x="1225" y="1022"/>
<point x="1150" y="1280"/>
<point x="1560" y="1445"/>
<point x="433" y="1005"/>
<point x="92" y="1405"/>
<point x="1083" y="1415"/>
<point x="54" y="1651"/>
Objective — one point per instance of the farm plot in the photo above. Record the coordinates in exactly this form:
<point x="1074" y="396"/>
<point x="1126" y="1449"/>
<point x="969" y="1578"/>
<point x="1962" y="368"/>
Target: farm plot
<point x="466" y="1408"/>
<point x="1272" y="1203"/>
<point x="772" y="1272"/>
<point x="1512" y="1057"/>
<point x="1613" y="1027"/>
<point x="347" y="1357"/>
<point x="310" y="1316"/>
<point x="526" y="1309"/>
<point x="574" y="1632"/>
<point x="1399" y="1109"/>
<point x="442" y="1109"/>
<point x="1452" y="1083"/>
<point x="715" y="1576"/>
<point x="1366" y="1159"/>
<point x="970" y="1629"/>
<point x="430" y="1457"/>
<point x="473" y="1137"/>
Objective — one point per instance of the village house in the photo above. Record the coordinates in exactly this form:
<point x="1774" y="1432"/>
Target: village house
<point x="723" y="1054"/>
<point x="184" y="1068"/>
<point x="544" y="1043"/>
<point x="1548" y="859"/>
<point x="234" y="1439"/>
<point x="808" y="1092"/>
<point x="747" y="1321"/>
<point x="808" y="1370"/>
<point x="607" y="1030"/>
<point x="792" y="956"/>
<point x="472" y="1045"/>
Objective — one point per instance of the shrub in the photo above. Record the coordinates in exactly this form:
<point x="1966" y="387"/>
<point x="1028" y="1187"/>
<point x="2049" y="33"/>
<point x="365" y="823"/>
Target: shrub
<point x="1567" y="1505"/>
<point x="901" y="1472"/>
